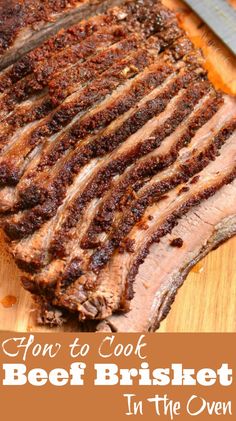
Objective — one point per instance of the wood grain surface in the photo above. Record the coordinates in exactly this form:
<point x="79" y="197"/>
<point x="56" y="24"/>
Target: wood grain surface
<point x="207" y="301"/>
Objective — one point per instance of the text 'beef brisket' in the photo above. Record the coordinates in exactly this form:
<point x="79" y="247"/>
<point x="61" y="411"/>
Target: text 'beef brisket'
<point x="117" y="158"/>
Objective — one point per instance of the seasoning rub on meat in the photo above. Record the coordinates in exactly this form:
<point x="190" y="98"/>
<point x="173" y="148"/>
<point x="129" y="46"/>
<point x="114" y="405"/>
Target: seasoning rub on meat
<point x="117" y="159"/>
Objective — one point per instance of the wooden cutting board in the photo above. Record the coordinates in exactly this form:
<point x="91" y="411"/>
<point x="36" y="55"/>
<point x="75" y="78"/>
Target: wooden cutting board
<point x="206" y="302"/>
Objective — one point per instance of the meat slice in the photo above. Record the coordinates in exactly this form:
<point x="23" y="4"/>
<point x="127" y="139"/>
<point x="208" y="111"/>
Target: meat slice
<point x="164" y="270"/>
<point x="24" y="16"/>
<point x="92" y="123"/>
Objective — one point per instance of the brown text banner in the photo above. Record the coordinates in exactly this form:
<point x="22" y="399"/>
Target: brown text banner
<point x="117" y="376"/>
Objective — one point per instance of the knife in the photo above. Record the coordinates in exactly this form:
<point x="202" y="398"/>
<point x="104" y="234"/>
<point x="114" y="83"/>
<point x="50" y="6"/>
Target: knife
<point x="220" y="17"/>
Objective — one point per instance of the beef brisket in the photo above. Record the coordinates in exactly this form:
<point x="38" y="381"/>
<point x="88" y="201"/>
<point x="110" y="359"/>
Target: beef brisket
<point x="25" y="25"/>
<point x="201" y="230"/>
<point x="112" y="143"/>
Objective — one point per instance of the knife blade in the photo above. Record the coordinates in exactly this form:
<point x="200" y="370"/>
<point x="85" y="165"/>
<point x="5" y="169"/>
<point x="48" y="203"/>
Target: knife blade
<point x="220" y="17"/>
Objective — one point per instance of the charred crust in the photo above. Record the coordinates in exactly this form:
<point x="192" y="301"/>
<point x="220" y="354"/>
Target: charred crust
<point x="177" y="242"/>
<point x="183" y="190"/>
<point x="195" y="179"/>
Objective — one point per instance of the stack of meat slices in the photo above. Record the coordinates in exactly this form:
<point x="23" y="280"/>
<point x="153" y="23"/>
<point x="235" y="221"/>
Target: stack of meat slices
<point x="117" y="166"/>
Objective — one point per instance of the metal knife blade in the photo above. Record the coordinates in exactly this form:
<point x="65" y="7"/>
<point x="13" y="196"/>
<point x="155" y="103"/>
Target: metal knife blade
<point x="220" y="17"/>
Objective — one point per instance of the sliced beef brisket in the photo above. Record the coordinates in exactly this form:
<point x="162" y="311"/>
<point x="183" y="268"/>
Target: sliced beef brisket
<point x="105" y="295"/>
<point x="26" y="25"/>
<point x="112" y="143"/>
<point x="164" y="271"/>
